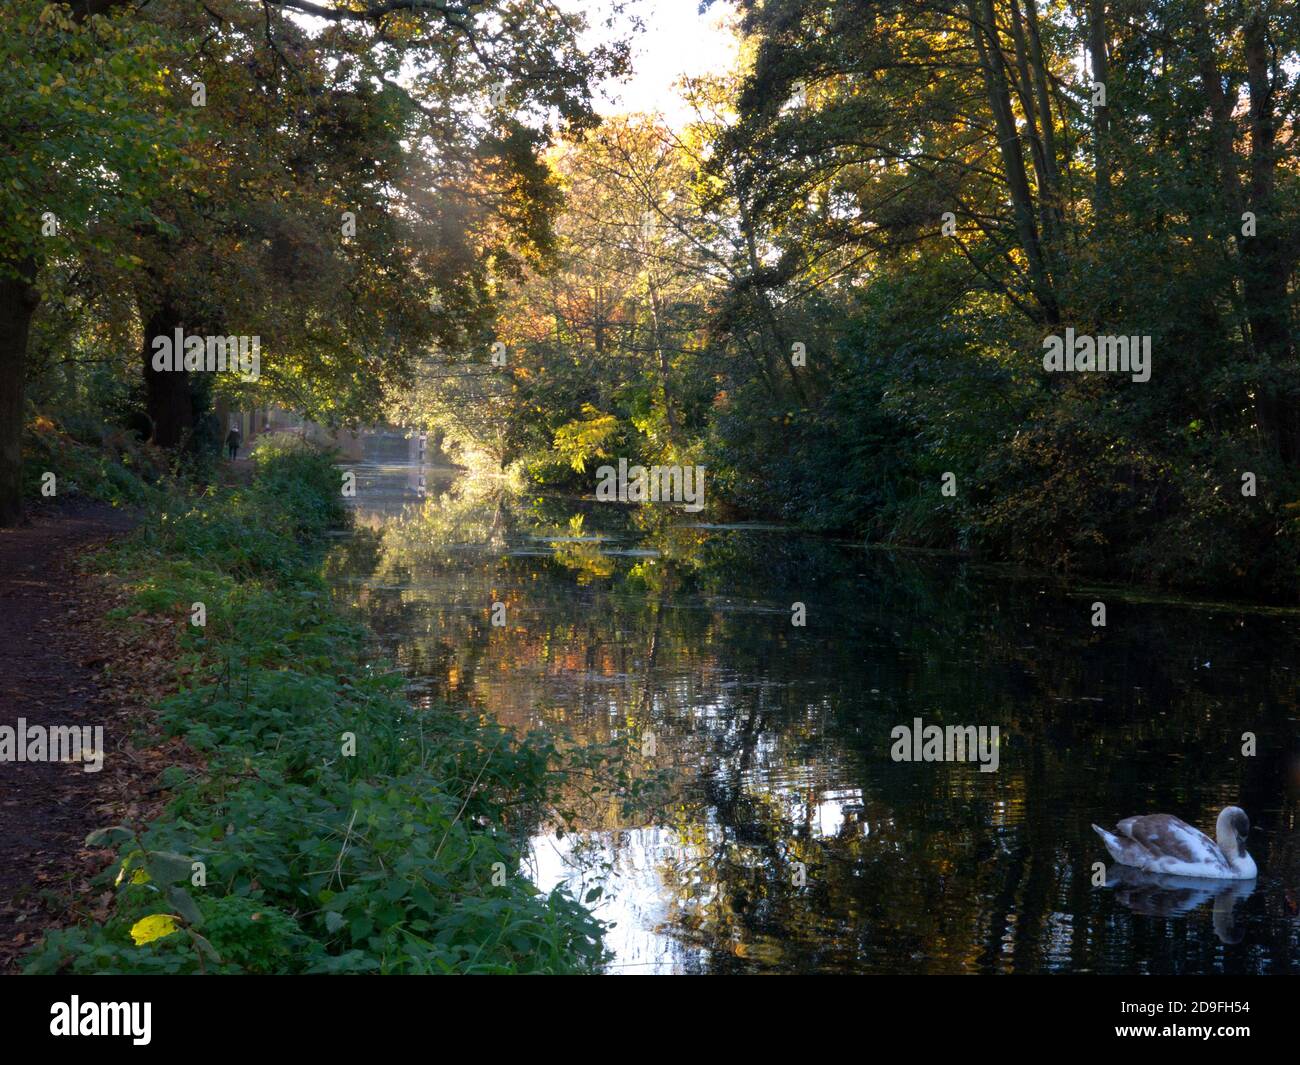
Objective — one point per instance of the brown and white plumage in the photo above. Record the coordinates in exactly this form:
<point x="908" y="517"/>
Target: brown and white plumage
<point x="1161" y="843"/>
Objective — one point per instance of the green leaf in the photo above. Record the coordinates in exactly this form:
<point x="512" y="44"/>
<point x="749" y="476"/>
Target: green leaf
<point x="167" y="867"/>
<point x="185" y="905"/>
<point x="107" y="837"/>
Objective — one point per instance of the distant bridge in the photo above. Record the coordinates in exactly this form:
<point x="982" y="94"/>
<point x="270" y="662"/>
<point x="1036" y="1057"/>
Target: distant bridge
<point x="376" y="443"/>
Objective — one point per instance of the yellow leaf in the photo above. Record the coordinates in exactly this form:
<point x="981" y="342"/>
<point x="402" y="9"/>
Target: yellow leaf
<point x="147" y="929"/>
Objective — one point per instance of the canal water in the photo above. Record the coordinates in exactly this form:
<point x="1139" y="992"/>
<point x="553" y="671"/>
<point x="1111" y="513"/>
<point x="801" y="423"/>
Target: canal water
<point x="765" y="826"/>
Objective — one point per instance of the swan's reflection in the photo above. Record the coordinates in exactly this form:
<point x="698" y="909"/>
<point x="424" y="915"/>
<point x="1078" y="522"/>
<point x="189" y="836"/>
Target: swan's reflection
<point x="1162" y="895"/>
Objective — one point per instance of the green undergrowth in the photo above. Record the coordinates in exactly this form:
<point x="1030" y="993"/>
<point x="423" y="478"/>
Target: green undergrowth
<point x="336" y="827"/>
<point x="111" y="467"/>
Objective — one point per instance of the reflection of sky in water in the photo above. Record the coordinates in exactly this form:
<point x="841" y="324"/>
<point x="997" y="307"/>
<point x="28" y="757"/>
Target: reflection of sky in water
<point x="634" y="893"/>
<point x="775" y="739"/>
<point x="634" y="900"/>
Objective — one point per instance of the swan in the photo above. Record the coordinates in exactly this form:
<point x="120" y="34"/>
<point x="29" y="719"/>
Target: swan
<point x="1161" y="843"/>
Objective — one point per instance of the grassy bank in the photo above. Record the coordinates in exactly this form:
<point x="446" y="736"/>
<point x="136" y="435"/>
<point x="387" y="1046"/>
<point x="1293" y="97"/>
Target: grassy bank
<point x="333" y="826"/>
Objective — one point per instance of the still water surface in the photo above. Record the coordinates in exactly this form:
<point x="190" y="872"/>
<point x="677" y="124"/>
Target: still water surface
<point x="784" y="837"/>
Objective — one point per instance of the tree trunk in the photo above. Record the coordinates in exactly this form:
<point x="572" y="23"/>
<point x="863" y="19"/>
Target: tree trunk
<point x="1266" y="260"/>
<point x="775" y="336"/>
<point x="1044" y="158"/>
<point x="18" y="300"/>
<point x="167" y="392"/>
<point x="1265" y="264"/>
<point x="661" y="362"/>
<point x="1042" y="92"/>
<point x="984" y="29"/>
<point x="1222" y="131"/>
<point x="1100" y="115"/>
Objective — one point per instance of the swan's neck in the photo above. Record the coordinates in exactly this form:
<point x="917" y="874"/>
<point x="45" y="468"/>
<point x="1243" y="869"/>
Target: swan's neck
<point x="1237" y="856"/>
<point x="1228" y="843"/>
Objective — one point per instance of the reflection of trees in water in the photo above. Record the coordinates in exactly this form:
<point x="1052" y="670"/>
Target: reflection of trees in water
<point x="925" y="867"/>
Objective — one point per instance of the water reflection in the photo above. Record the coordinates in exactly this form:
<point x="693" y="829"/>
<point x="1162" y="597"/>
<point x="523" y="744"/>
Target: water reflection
<point x="789" y="840"/>
<point x="1162" y="895"/>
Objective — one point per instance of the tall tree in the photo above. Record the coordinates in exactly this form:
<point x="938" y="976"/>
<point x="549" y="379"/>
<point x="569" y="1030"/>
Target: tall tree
<point x="470" y="93"/>
<point x="84" y="140"/>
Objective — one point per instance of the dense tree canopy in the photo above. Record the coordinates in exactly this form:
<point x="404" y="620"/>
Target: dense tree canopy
<point x="833" y="287"/>
<point x="347" y="193"/>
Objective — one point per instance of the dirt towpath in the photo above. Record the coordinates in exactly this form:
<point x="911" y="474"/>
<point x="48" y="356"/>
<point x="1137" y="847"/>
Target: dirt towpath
<point x="50" y="650"/>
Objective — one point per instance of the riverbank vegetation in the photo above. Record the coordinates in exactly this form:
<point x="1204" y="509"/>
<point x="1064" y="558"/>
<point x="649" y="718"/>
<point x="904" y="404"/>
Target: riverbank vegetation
<point x="830" y="285"/>
<point x="1005" y="197"/>
<point x="833" y="288"/>
<point x="327" y="824"/>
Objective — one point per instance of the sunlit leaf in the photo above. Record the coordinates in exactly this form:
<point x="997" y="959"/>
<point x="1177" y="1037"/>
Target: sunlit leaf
<point x="155" y="926"/>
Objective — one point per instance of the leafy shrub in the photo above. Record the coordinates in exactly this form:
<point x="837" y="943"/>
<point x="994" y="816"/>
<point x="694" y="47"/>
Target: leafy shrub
<point x="396" y="859"/>
<point x="120" y="473"/>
